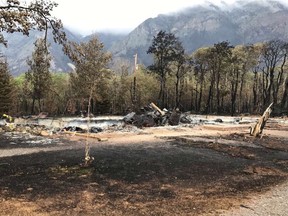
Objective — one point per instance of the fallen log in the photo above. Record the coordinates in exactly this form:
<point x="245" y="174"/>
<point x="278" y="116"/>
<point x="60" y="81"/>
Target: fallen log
<point x="257" y="130"/>
<point x="85" y="135"/>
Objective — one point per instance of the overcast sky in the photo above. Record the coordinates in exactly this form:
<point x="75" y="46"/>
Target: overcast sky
<point x="90" y="16"/>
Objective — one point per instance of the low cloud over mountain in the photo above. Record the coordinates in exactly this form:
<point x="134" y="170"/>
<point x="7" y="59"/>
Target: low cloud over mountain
<point x="241" y="23"/>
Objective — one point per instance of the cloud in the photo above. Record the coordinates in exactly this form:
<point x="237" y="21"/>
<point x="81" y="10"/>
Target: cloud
<point x="90" y="16"/>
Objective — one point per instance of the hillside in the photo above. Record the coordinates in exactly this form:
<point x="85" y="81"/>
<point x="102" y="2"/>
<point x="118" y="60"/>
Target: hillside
<point x="20" y="48"/>
<point x="242" y="23"/>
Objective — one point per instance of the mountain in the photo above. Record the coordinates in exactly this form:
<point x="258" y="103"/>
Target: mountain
<point x="241" y="23"/>
<point x="108" y="39"/>
<point x="21" y="47"/>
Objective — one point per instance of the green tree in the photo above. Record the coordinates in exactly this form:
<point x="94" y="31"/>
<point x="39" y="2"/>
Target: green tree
<point x="58" y="95"/>
<point x="22" y="94"/>
<point x="21" y="17"/>
<point x="120" y="87"/>
<point x="38" y="76"/>
<point x="6" y="87"/>
<point x="90" y="79"/>
<point x="165" y="49"/>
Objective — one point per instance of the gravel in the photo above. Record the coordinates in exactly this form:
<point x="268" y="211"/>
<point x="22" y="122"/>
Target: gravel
<point x="272" y="203"/>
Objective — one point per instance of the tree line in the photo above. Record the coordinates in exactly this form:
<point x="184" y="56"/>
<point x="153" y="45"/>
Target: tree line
<point x="219" y="79"/>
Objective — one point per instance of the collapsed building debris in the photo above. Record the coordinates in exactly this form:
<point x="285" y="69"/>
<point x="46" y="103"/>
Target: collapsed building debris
<point x="66" y="125"/>
<point x="152" y="115"/>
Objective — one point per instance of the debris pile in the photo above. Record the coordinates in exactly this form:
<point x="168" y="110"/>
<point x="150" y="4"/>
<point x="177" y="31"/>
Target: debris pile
<point x="152" y="115"/>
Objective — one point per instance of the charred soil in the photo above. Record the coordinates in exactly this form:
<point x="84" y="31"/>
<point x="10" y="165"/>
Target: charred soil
<point x="154" y="171"/>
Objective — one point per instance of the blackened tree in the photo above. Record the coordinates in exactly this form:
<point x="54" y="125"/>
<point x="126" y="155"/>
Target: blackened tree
<point x="274" y="55"/>
<point x="165" y="50"/>
<point x="182" y="66"/>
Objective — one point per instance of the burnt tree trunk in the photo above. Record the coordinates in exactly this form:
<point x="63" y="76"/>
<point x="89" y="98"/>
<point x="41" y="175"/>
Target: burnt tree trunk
<point x="285" y="94"/>
<point x="257" y="130"/>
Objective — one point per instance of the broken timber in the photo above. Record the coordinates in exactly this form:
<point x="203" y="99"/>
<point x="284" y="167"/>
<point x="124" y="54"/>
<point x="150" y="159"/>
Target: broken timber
<point x="257" y="130"/>
<point x="156" y="108"/>
<point x="85" y="135"/>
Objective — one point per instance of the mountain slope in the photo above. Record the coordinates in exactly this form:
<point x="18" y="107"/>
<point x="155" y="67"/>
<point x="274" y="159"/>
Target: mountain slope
<point x="20" y="48"/>
<point x="244" y="22"/>
<point x="241" y="23"/>
<point x="108" y="39"/>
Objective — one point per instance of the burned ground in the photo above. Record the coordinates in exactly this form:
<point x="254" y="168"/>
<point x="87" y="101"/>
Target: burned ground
<point x="174" y="171"/>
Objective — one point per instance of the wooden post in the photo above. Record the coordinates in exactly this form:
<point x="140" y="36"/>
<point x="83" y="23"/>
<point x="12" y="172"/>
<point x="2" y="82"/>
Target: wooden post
<point x="257" y="130"/>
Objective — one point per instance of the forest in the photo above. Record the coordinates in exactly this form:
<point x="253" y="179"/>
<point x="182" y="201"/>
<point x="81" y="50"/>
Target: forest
<point x="211" y="166"/>
<point x="219" y="79"/>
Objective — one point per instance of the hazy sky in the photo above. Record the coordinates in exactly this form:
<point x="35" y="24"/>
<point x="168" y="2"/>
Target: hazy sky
<point x="90" y="16"/>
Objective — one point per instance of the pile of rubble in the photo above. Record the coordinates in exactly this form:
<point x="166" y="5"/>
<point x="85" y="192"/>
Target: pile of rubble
<point x="152" y="116"/>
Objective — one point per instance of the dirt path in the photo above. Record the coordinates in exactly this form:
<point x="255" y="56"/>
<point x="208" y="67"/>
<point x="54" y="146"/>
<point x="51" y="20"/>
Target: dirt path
<point x="274" y="203"/>
<point x="201" y="170"/>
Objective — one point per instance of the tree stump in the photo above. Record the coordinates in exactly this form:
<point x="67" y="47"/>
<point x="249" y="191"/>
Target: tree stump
<point x="257" y="130"/>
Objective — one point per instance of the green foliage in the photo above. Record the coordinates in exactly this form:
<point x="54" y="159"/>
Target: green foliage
<point x="21" y="17"/>
<point x="19" y="80"/>
<point x="91" y="77"/>
<point x="122" y="88"/>
<point x="6" y="88"/>
<point x="58" y="94"/>
<point x="218" y="79"/>
<point x="38" y="77"/>
<point x="56" y="98"/>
